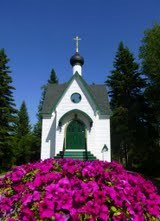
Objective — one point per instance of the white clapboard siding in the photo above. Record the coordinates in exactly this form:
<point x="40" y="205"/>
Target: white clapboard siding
<point x="53" y="137"/>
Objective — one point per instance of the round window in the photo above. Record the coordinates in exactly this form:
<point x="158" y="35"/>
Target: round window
<point x="76" y="98"/>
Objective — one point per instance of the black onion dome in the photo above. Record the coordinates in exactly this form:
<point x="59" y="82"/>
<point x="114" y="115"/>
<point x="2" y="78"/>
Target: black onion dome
<point x="77" y="59"/>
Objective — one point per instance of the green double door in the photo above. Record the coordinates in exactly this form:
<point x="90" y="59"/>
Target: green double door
<point x="75" y="135"/>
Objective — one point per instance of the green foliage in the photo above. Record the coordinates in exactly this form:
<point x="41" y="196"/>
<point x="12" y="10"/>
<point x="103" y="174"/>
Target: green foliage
<point x="150" y="57"/>
<point x="53" y="78"/>
<point x="38" y="126"/>
<point x="7" y="112"/>
<point x="24" y="150"/>
<point x="150" y="54"/>
<point x="23" y="124"/>
<point x="127" y="103"/>
<point x="23" y="139"/>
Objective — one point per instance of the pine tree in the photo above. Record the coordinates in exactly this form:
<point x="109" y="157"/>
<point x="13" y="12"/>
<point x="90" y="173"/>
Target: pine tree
<point x="127" y="104"/>
<point x="150" y="56"/>
<point x="53" y="78"/>
<point x="23" y="124"/>
<point x="38" y="127"/>
<point x="7" y="112"/>
<point x="23" y="139"/>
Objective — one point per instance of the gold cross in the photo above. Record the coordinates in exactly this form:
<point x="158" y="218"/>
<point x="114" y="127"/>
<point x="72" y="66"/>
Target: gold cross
<point x="77" y="39"/>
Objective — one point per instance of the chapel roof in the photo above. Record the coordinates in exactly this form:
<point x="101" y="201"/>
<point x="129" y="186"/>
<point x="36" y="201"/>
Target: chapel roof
<point x="55" y="91"/>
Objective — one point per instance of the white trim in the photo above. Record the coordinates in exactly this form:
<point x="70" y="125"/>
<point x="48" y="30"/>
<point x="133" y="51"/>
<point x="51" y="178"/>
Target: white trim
<point x="77" y="68"/>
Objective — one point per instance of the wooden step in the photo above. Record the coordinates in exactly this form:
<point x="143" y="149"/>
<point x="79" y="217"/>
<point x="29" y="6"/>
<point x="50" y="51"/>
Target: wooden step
<point x="82" y="155"/>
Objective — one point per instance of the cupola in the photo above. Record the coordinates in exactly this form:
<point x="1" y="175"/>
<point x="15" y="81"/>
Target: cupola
<point x="77" y="60"/>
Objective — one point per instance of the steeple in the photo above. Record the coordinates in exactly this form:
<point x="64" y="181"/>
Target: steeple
<point x="77" y="60"/>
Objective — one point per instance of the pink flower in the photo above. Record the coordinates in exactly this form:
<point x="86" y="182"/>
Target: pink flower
<point x="61" y="217"/>
<point x="46" y="209"/>
<point x="65" y="202"/>
<point x="104" y="213"/>
<point x="18" y="174"/>
<point x="64" y="183"/>
<point x="51" y="191"/>
<point x="19" y="187"/>
<point x="99" y="196"/>
<point x="36" y="196"/>
<point x="68" y="189"/>
<point x="26" y="199"/>
<point x="5" y="204"/>
<point x="27" y="214"/>
<point x="80" y="197"/>
<point x="92" y="208"/>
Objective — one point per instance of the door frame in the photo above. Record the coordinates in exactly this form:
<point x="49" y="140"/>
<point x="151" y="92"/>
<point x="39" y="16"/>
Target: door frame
<point x="85" y="134"/>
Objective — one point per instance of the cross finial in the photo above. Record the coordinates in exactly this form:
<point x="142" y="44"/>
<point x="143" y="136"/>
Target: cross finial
<point x="77" y="39"/>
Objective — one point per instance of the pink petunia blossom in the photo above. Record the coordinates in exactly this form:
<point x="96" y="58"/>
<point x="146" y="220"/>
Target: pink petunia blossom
<point x="68" y="189"/>
<point x="46" y="209"/>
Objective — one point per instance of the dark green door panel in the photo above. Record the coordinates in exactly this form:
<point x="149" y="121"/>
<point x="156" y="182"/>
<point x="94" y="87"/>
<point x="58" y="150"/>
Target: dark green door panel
<point x="75" y="135"/>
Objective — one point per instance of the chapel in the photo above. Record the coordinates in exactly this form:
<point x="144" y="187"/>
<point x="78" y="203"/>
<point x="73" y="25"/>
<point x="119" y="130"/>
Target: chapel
<point x="76" y="118"/>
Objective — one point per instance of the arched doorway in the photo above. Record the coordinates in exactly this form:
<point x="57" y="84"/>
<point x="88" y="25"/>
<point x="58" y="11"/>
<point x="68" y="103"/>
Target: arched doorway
<point x="75" y="135"/>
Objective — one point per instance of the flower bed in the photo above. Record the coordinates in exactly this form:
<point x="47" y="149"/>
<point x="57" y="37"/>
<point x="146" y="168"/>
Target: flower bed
<point x="72" y="190"/>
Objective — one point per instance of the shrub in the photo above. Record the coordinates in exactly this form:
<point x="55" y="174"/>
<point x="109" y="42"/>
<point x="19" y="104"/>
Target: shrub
<point x="72" y="190"/>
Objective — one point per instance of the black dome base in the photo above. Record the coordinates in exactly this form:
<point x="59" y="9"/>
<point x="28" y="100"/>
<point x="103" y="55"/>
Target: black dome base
<point x="77" y="59"/>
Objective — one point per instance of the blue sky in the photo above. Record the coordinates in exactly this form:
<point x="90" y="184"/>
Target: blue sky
<point x="38" y="35"/>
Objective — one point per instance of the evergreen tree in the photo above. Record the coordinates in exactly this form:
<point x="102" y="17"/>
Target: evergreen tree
<point x="53" y="77"/>
<point x="23" y="124"/>
<point x="23" y="137"/>
<point x="127" y="104"/>
<point x="150" y="55"/>
<point x="38" y="127"/>
<point x="7" y="112"/>
<point x="52" y="80"/>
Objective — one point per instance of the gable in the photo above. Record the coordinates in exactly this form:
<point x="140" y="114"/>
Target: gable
<point x="96" y="95"/>
<point x="85" y="104"/>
